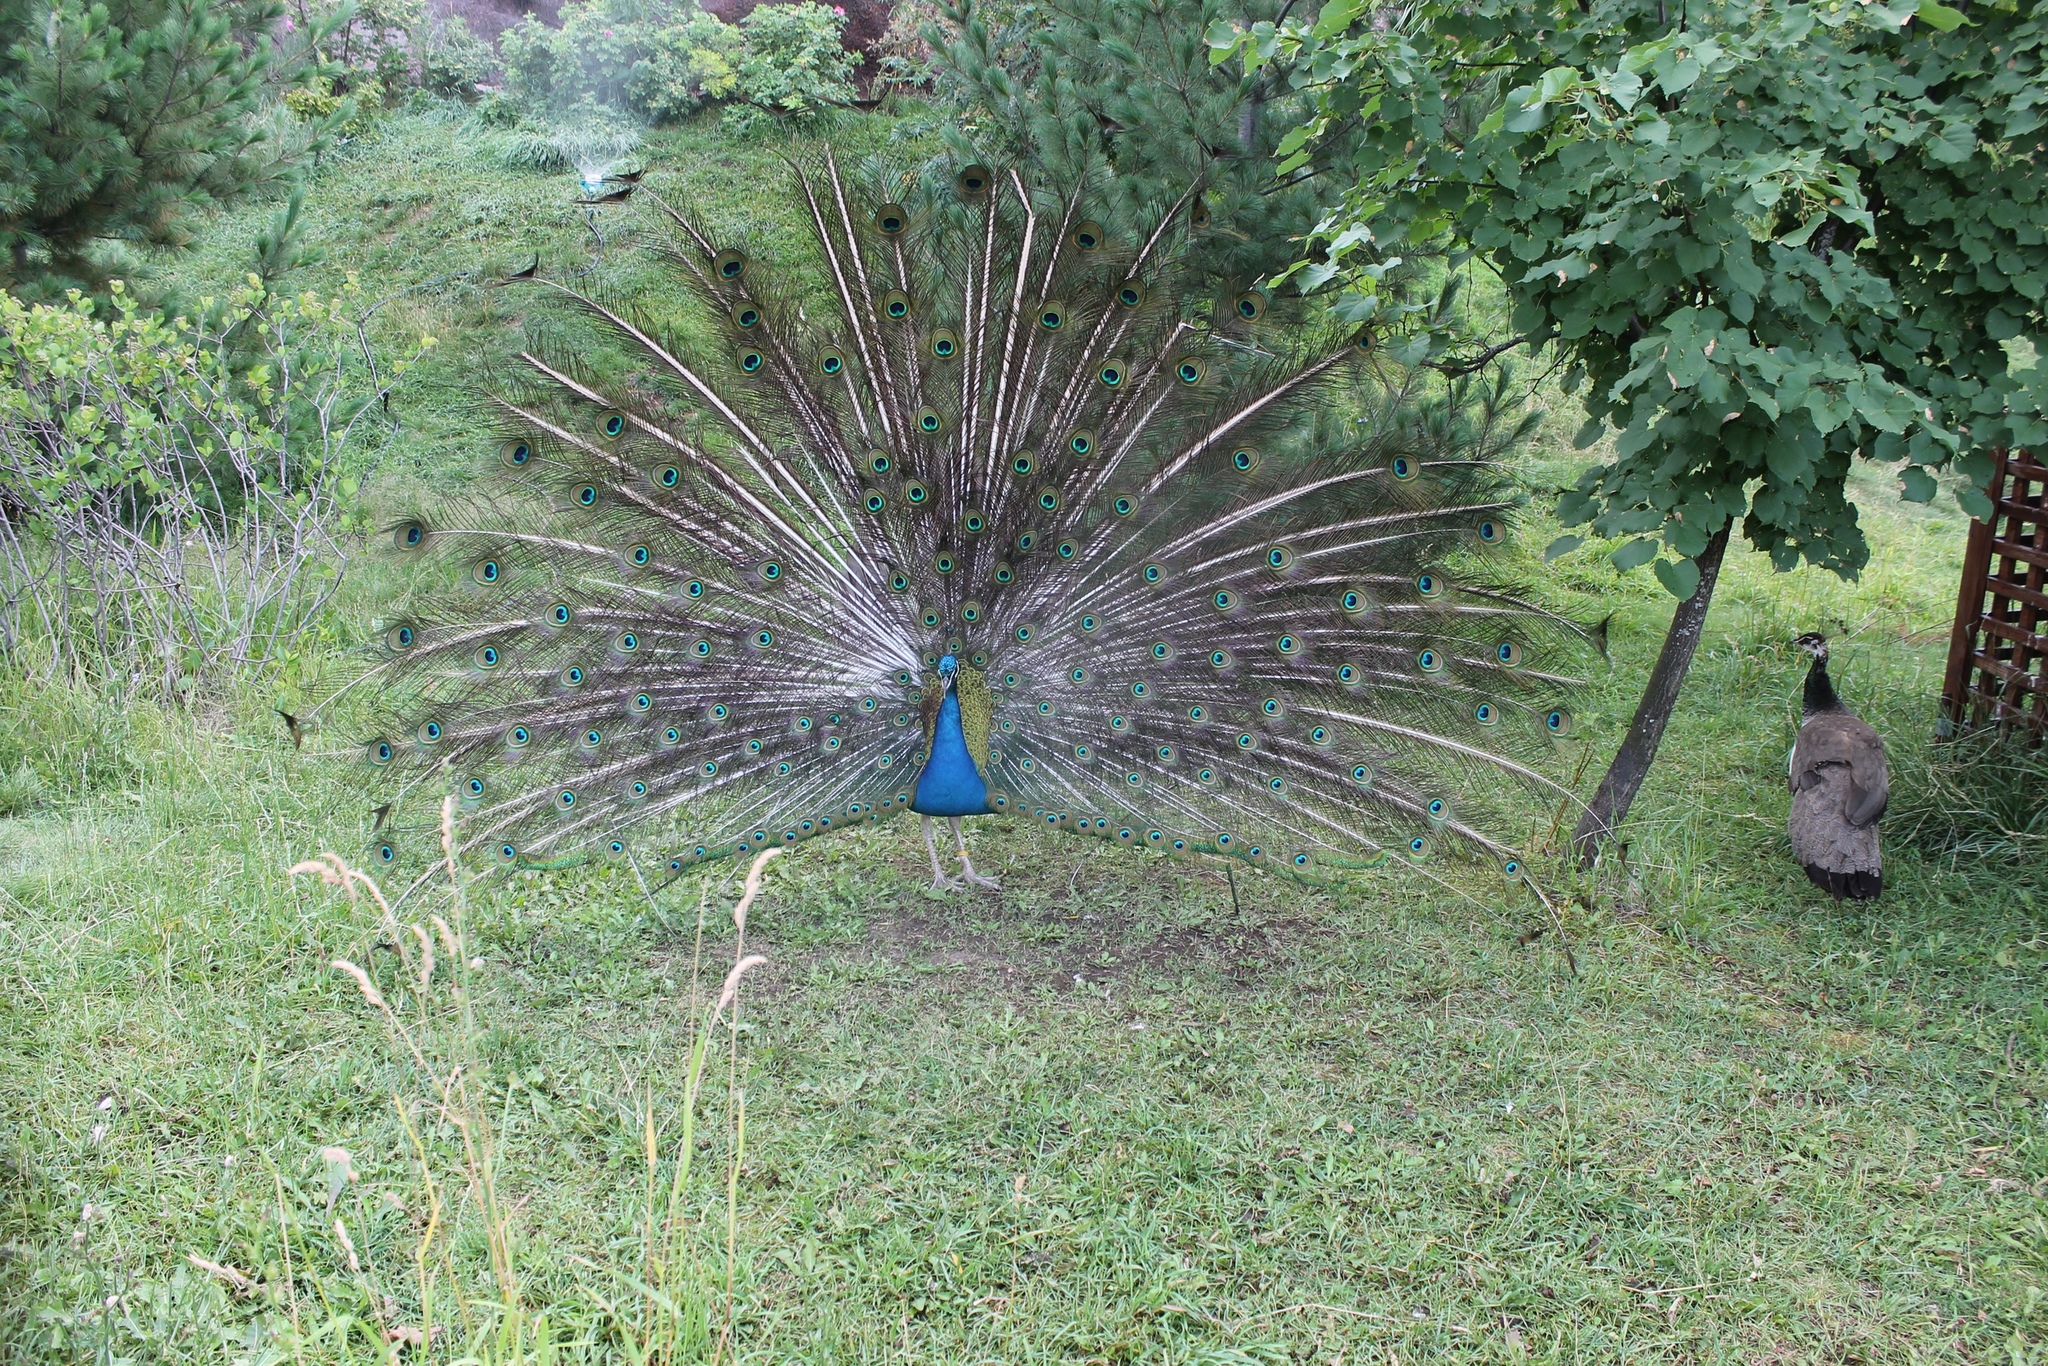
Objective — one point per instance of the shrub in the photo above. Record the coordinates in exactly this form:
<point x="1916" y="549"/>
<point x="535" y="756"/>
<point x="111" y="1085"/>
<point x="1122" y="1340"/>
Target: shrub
<point x="663" y="60"/>
<point x="367" y="44"/>
<point x="170" y="492"/>
<point x="526" y="54"/>
<point x="792" y="62"/>
<point x="686" y="64"/>
<point x="452" y="59"/>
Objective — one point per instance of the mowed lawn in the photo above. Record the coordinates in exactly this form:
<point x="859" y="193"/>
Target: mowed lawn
<point x="1119" y="1111"/>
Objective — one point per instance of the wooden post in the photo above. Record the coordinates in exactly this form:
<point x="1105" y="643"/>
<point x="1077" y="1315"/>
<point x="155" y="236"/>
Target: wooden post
<point x="1962" y="638"/>
<point x="1998" y="652"/>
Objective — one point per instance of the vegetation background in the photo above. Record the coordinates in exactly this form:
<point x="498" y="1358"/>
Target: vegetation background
<point x="1121" y="1111"/>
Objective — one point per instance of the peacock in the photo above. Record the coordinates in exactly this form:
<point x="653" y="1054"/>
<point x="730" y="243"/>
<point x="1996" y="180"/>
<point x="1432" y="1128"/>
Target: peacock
<point x="986" y="502"/>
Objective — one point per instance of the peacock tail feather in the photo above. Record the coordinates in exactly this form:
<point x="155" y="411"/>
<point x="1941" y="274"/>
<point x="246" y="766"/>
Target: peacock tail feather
<point x="1215" y="583"/>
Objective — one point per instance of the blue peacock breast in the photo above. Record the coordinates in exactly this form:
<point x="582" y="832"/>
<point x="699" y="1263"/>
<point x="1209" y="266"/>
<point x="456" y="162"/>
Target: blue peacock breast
<point x="950" y="784"/>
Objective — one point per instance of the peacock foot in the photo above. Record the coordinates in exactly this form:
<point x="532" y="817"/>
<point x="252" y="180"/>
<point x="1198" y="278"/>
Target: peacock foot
<point x="942" y="883"/>
<point x="967" y="875"/>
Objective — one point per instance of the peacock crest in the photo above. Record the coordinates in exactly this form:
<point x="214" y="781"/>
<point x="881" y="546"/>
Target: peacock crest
<point x="1188" y="575"/>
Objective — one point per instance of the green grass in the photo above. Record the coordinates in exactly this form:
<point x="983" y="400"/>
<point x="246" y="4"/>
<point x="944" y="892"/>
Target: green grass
<point x="1113" y="1113"/>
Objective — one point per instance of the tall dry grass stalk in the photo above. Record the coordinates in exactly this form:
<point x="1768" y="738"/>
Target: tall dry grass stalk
<point x="662" y="1314"/>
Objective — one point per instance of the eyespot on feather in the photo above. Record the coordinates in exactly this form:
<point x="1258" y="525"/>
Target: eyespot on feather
<point x="1250" y="305"/>
<point x="895" y="305"/>
<point x="1131" y="294"/>
<point x="515" y="454"/>
<point x="729" y="264"/>
<point x="974" y="180"/>
<point x="409" y="535"/>
<point x="1087" y="236"/>
<point x="891" y="219"/>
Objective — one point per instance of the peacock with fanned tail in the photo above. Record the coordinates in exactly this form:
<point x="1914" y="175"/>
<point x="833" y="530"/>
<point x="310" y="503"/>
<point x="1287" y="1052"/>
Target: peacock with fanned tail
<point x="986" y="508"/>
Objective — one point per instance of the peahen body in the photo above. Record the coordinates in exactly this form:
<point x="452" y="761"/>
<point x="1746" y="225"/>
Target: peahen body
<point x="975" y="509"/>
<point x="1840" y="786"/>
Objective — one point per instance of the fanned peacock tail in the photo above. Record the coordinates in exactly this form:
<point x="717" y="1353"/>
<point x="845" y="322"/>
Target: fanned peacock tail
<point x="1204" y="596"/>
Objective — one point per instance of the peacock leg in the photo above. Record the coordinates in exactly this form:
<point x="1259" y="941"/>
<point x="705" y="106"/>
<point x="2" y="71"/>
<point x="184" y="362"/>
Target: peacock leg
<point x="940" y="882"/>
<point x="967" y="864"/>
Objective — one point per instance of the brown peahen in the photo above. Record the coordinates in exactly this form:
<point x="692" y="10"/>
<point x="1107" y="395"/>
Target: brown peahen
<point x="982" y="507"/>
<point x="1840" y="786"/>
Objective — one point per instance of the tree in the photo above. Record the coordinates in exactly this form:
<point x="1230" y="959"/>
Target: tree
<point x="1766" y="237"/>
<point x="1084" y="82"/>
<point x="122" y="120"/>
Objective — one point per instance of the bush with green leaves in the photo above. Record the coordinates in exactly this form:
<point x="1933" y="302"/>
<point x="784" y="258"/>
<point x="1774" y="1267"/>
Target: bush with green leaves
<point x="791" y="62"/>
<point x="661" y="61"/>
<point x="367" y="45"/>
<point x="173" y="491"/>
<point x="453" y="61"/>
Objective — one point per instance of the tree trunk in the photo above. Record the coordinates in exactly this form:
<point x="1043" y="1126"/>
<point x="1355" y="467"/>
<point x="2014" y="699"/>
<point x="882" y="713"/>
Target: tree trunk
<point x="1660" y="698"/>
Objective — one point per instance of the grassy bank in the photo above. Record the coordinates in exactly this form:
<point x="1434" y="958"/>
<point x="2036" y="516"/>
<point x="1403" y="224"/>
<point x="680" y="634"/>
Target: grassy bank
<point x="1119" y="1111"/>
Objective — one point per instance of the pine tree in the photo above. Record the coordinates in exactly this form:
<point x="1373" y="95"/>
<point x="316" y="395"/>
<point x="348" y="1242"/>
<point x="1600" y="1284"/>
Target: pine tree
<point x="1131" y="81"/>
<point x="121" y="120"/>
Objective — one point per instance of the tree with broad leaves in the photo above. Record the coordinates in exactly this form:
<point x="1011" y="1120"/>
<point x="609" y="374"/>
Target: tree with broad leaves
<point x="1765" y="238"/>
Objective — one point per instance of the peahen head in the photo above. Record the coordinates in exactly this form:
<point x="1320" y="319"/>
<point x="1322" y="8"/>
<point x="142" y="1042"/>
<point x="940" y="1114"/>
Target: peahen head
<point x="1819" y="696"/>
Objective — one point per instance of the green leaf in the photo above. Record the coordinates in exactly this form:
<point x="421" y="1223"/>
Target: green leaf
<point x="1938" y="16"/>
<point x="1916" y="485"/>
<point x="1634" y="555"/>
<point x="1563" y="545"/>
<point x="1974" y="501"/>
<point x="1681" y="578"/>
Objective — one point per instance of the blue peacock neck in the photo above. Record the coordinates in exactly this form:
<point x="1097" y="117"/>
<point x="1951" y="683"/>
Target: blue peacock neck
<point x="950" y="783"/>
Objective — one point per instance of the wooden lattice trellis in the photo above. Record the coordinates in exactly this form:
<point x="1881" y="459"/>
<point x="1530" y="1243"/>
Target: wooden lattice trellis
<point x="1998" y="654"/>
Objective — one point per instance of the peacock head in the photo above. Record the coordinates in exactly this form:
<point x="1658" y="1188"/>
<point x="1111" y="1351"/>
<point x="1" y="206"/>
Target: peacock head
<point x="1815" y="644"/>
<point x="948" y="666"/>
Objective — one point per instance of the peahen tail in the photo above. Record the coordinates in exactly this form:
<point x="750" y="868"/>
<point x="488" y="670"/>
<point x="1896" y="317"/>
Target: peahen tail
<point x="1215" y="580"/>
